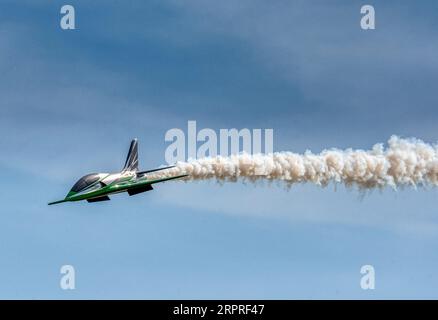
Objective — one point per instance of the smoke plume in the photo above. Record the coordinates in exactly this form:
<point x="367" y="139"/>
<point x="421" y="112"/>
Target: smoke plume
<point x="404" y="162"/>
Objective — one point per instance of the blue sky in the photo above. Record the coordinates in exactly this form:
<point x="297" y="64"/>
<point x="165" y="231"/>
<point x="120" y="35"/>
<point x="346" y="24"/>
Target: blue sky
<point x="72" y="100"/>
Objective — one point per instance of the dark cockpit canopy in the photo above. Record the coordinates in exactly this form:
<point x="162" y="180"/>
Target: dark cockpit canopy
<point x="85" y="181"/>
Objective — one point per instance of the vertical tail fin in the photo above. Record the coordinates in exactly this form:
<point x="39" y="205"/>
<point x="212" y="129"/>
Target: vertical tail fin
<point x="131" y="163"/>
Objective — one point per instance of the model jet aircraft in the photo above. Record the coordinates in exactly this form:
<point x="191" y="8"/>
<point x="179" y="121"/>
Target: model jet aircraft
<point x="96" y="187"/>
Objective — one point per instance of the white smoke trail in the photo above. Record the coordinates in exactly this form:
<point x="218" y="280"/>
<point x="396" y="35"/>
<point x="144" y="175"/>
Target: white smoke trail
<point x="405" y="162"/>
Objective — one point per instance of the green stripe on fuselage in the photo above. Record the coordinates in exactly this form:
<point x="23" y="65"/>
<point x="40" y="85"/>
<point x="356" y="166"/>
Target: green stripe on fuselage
<point x="119" y="185"/>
